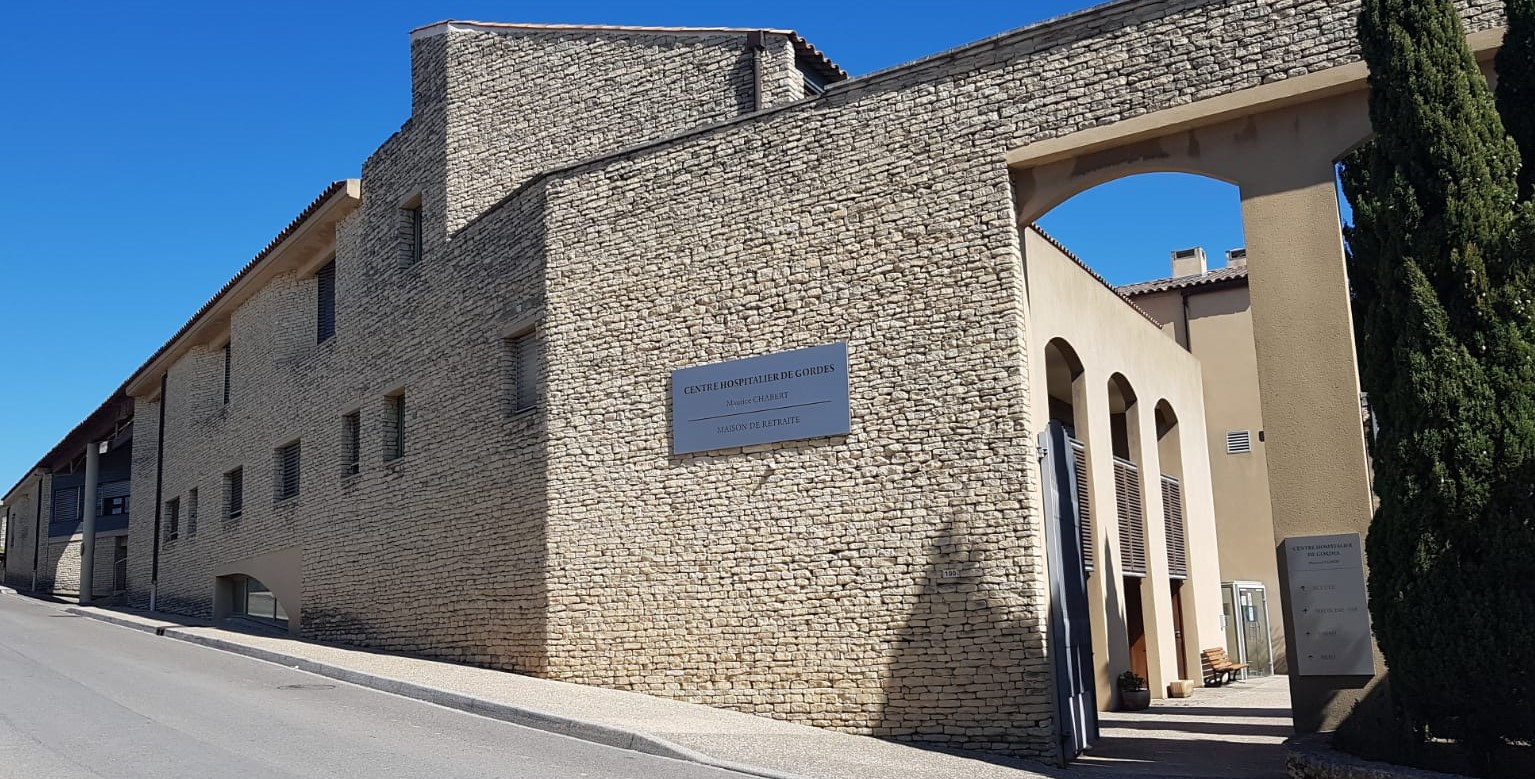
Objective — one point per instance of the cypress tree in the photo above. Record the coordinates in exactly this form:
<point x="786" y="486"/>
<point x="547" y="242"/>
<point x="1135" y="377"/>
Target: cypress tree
<point x="1444" y="337"/>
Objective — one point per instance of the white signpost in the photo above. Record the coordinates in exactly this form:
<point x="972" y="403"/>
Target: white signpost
<point x="787" y="396"/>
<point x="1328" y="607"/>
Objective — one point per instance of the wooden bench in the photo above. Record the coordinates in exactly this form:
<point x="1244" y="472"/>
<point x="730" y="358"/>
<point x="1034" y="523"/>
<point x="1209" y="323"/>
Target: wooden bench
<point x="1217" y="665"/>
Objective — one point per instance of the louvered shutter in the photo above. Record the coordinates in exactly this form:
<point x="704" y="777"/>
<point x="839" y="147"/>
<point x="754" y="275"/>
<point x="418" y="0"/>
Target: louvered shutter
<point x="1132" y="518"/>
<point x="1084" y="507"/>
<point x="325" y="318"/>
<point x="524" y="367"/>
<point x="1177" y="539"/>
<point x="287" y="471"/>
<point x="66" y="504"/>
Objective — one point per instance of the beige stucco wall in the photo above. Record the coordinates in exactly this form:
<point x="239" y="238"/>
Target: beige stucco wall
<point x="1219" y="331"/>
<point x="1109" y="336"/>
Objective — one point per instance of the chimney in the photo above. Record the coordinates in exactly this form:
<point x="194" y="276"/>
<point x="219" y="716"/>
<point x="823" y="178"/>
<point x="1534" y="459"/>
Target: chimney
<point x="1236" y="258"/>
<point x="1189" y="262"/>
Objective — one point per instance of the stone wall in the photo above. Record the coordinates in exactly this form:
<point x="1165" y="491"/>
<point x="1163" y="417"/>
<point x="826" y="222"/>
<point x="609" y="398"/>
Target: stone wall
<point x="796" y="580"/>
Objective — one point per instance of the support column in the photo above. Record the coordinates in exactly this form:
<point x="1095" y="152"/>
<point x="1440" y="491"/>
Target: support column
<point x="1303" y="330"/>
<point x="88" y="524"/>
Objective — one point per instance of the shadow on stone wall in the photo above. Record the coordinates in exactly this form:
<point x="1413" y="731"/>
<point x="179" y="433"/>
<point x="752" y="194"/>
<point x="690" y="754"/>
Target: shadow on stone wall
<point x="965" y="672"/>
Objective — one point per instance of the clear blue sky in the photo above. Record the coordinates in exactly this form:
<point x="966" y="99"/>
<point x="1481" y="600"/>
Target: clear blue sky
<point x="151" y="149"/>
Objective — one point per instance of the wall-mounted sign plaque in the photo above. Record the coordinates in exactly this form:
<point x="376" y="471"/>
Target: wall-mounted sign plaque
<point x="1327" y="606"/>
<point x="786" y="396"/>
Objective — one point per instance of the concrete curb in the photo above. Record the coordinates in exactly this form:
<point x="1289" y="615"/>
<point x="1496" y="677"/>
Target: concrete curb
<point x="593" y="732"/>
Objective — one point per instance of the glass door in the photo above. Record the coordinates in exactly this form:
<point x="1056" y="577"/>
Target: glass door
<point x="1254" y="616"/>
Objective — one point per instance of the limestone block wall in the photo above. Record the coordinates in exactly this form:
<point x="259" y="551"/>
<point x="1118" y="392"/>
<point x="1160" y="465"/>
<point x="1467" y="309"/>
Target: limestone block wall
<point x="20" y="550"/>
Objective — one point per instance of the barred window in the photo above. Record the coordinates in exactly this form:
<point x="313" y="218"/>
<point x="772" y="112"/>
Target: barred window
<point x="394" y="427"/>
<point x="226" y="374"/>
<point x="351" y="443"/>
<point x="192" y="512"/>
<point x="173" y="519"/>
<point x="287" y="471"/>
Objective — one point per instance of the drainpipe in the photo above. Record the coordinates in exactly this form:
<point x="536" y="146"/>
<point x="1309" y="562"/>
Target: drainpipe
<point x="154" y="557"/>
<point x="37" y="537"/>
<point x="756" y="41"/>
<point x="88" y="526"/>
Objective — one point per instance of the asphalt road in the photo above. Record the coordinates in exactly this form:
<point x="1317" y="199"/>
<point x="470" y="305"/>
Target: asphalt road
<point x="81" y="698"/>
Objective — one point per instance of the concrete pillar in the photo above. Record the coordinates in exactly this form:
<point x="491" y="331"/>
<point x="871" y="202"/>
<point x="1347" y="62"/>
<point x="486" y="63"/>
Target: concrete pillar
<point x="1309" y="381"/>
<point x="88" y="524"/>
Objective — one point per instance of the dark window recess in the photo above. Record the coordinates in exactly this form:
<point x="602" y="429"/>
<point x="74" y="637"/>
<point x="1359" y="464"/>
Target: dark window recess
<point x="111" y="507"/>
<point x="523" y="367"/>
<point x="226" y="375"/>
<point x="351" y="443"/>
<point x="173" y="519"/>
<point x="287" y="471"/>
<point x="234" y="493"/>
<point x="120" y="565"/>
<point x="191" y="512"/>
<point x="325" y="318"/>
<point x="394" y="427"/>
<point x="411" y="233"/>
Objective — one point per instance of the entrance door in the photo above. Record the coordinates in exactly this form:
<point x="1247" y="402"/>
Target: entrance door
<point x="1178" y="645"/>
<point x="1135" y="627"/>
<point x="1071" y="636"/>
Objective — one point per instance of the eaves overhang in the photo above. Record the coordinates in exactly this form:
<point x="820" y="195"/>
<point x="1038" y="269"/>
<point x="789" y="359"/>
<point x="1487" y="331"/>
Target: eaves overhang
<point x="302" y="246"/>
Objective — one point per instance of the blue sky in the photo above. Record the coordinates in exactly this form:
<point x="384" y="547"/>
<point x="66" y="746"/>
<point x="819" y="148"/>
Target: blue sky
<point x="152" y="149"/>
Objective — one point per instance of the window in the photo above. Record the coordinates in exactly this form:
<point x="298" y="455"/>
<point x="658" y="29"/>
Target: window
<point x="111" y="507"/>
<point x="173" y="519"/>
<point x="325" y="316"/>
<point x="287" y="471"/>
<point x="253" y="599"/>
<point x="411" y="232"/>
<point x="522" y="371"/>
<point x="66" y="504"/>
<point x="394" y="427"/>
<point x="234" y="493"/>
<point x="226" y="375"/>
<point x="351" y="443"/>
<point x="1239" y="441"/>
<point x="192" y="512"/>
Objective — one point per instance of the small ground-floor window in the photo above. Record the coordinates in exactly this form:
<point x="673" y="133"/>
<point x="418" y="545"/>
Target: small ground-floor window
<point x="253" y="599"/>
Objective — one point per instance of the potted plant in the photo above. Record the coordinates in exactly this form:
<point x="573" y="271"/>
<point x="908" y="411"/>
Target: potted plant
<point x="1134" y="695"/>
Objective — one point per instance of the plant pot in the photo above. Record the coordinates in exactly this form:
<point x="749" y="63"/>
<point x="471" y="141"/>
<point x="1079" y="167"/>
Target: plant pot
<point x="1134" y="700"/>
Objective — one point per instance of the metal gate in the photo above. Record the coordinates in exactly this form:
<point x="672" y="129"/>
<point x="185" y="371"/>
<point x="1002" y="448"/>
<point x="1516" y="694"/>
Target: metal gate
<point x="1071" y="640"/>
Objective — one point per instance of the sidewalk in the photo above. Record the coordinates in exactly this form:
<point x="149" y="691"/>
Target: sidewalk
<point x="748" y="744"/>
<point x="1235" y="732"/>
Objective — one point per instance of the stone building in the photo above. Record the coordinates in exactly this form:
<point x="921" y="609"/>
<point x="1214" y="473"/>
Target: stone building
<point x="435" y="414"/>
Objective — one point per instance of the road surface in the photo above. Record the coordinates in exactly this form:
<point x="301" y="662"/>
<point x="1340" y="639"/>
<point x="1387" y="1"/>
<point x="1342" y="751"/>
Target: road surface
<point x="80" y="698"/>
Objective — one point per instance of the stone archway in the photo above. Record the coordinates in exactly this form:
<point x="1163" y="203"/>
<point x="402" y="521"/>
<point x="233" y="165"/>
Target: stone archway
<point x="1279" y="144"/>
